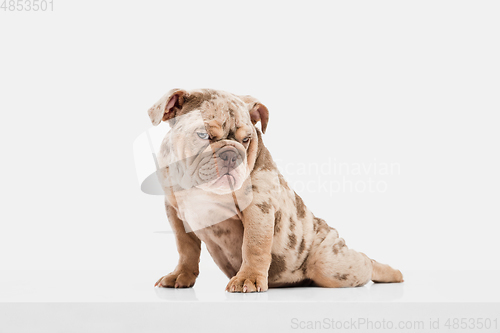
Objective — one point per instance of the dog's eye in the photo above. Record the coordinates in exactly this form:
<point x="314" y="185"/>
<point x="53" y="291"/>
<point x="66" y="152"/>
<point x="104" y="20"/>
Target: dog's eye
<point x="245" y="140"/>
<point x="203" y="136"/>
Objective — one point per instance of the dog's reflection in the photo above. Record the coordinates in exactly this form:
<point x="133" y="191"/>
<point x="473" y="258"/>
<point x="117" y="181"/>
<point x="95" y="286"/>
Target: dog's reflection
<point x="176" y="294"/>
<point x="372" y="292"/>
<point x="386" y="291"/>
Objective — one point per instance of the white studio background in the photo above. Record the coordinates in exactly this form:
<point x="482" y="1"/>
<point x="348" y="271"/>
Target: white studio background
<point x="355" y="85"/>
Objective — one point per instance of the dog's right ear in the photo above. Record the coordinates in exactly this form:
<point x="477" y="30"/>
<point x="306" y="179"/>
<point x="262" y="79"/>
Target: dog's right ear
<point x="167" y="106"/>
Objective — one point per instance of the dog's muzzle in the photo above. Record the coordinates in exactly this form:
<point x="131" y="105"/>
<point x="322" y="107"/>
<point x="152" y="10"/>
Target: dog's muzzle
<point x="230" y="159"/>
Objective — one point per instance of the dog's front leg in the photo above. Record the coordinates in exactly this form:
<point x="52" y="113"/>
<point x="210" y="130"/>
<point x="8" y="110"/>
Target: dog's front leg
<point x="189" y="248"/>
<point x="258" y="224"/>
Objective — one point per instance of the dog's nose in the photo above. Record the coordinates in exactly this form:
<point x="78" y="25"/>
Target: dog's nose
<point x="229" y="157"/>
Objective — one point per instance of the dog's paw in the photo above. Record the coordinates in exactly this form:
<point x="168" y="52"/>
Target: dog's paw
<point x="247" y="283"/>
<point x="177" y="279"/>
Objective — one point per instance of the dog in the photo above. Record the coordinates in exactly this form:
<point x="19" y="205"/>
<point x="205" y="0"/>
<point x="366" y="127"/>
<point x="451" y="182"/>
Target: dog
<point x="223" y="188"/>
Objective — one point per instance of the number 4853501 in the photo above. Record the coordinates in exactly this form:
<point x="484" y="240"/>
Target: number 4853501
<point x="27" y="5"/>
<point x="471" y="323"/>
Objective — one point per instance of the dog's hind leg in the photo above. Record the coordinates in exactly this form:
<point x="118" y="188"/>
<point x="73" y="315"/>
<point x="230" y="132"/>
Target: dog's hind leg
<point x="332" y="264"/>
<point x="385" y="273"/>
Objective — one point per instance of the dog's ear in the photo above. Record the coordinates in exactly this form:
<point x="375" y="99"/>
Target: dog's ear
<point x="167" y="106"/>
<point x="258" y="111"/>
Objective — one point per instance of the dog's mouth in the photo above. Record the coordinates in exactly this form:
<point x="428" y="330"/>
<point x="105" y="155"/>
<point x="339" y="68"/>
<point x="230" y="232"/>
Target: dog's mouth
<point x="230" y="181"/>
<point x="226" y="180"/>
<point x="226" y="183"/>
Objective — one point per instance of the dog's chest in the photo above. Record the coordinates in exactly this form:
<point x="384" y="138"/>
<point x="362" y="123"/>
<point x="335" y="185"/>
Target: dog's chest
<point x="201" y="209"/>
<point x="224" y="242"/>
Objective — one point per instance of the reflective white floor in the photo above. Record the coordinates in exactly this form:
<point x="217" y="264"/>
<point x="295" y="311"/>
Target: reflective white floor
<point x="126" y="301"/>
<point x="137" y="286"/>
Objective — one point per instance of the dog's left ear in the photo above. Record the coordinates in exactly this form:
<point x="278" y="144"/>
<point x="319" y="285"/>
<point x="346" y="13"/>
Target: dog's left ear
<point x="167" y="107"/>
<point x="258" y="111"/>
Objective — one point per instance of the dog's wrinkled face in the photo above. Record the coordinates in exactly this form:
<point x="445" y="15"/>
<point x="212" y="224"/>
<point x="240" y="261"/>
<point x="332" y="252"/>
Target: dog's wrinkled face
<point x="209" y="153"/>
<point x="213" y="142"/>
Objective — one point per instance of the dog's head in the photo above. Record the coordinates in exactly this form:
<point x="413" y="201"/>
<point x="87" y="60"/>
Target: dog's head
<point x="213" y="141"/>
